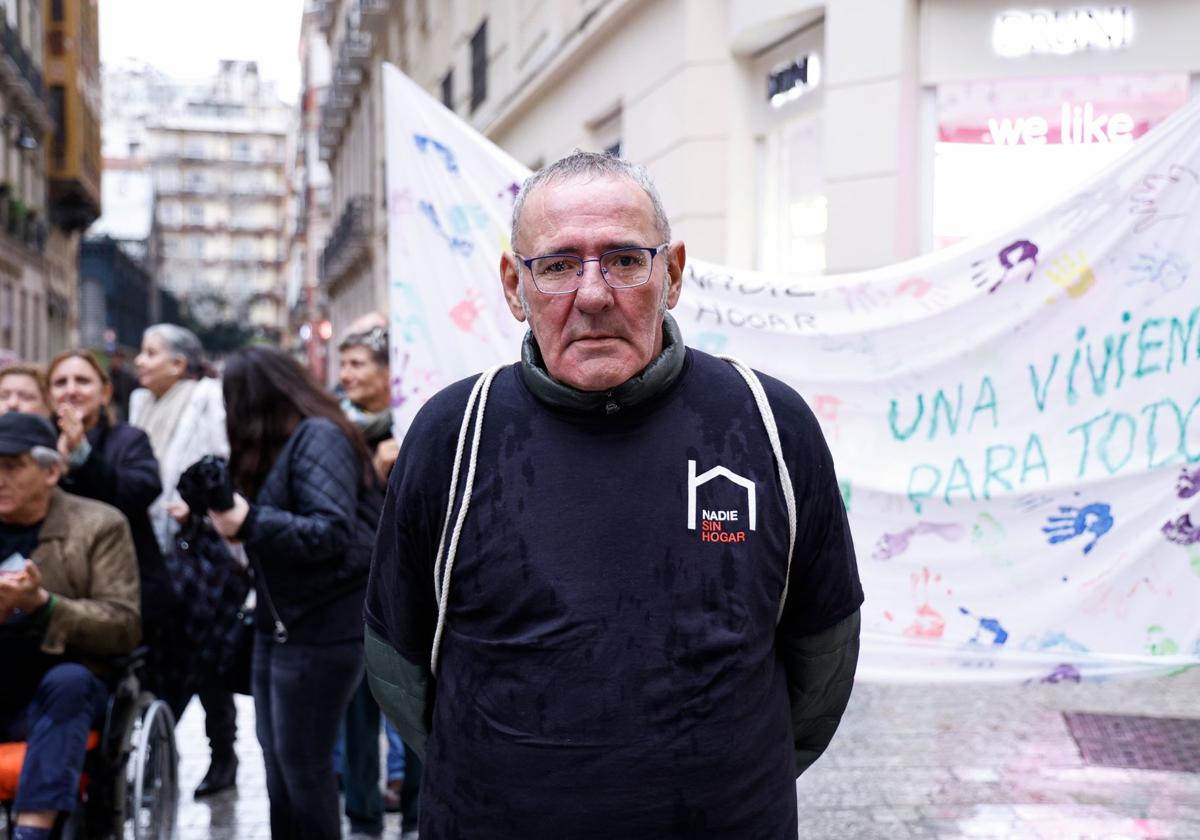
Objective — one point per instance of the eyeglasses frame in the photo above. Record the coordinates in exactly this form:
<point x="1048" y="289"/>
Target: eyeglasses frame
<point x="654" y="252"/>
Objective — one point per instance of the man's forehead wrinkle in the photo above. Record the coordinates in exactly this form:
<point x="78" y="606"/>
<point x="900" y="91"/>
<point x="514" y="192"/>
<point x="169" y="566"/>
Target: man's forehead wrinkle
<point x="559" y="218"/>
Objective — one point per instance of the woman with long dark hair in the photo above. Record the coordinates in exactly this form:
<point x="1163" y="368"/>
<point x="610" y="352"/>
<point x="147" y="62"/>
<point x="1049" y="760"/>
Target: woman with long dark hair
<point x="306" y="509"/>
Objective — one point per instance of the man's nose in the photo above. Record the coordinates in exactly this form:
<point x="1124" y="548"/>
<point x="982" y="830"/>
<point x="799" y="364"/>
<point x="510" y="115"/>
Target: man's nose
<point x="594" y="292"/>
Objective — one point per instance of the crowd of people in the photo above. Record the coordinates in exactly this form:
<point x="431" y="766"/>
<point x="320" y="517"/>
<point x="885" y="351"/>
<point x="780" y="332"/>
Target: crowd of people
<point x="90" y="512"/>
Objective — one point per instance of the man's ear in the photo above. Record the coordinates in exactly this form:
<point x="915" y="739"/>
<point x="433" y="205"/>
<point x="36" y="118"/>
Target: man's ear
<point x="510" y="278"/>
<point x="676" y="260"/>
<point x="53" y="474"/>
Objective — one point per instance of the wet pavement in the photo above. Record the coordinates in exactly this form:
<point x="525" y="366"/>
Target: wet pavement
<point x="908" y="762"/>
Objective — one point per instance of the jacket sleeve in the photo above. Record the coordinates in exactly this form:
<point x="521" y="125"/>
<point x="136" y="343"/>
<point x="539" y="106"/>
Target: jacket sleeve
<point x="324" y="474"/>
<point x="820" y="675"/>
<point x="106" y="622"/>
<point x="130" y="483"/>
<point x="403" y="690"/>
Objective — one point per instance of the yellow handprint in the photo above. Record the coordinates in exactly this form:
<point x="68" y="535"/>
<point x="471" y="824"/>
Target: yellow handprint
<point x="1072" y="273"/>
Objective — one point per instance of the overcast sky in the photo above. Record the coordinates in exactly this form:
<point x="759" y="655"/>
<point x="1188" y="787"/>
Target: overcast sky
<point x="186" y="38"/>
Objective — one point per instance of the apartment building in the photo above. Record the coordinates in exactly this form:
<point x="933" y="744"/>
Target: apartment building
<point x="72" y="78"/>
<point x="25" y="122"/>
<point x="307" y="303"/>
<point x="219" y="154"/>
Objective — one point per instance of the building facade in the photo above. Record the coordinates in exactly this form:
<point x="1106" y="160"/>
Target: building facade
<point x="307" y="301"/>
<point x="219" y="157"/>
<point x="72" y="78"/>
<point x="784" y="135"/>
<point x="25" y="123"/>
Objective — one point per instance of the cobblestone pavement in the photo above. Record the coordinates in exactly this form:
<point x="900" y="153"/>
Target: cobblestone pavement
<point x="908" y="762"/>
<point x="995" y="761"/>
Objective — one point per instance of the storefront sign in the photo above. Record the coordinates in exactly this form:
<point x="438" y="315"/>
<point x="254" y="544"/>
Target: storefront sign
<point x="1044" y="32"/>
<point x="1076" y="110"/>
<point x="792" y="80"/>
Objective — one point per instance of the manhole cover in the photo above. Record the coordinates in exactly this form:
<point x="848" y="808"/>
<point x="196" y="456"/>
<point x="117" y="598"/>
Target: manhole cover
<point x="1141" y="743"/>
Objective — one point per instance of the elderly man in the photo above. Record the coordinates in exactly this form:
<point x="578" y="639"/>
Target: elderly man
<point x="638" y="617"/>
<point x="68" y="600"/>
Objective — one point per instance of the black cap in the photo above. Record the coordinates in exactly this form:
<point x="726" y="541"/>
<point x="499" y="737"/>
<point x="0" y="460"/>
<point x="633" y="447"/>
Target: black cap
<point x="20" y="433"/>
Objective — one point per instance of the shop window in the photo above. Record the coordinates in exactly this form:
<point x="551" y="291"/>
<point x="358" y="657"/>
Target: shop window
<point x="479" y="66"/>
<point x="793" y="205"/>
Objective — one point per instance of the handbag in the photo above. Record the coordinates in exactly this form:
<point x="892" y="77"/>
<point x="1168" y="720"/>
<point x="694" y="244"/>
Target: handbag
<point x="213" y="587"/>
<point x="237" y="665"/>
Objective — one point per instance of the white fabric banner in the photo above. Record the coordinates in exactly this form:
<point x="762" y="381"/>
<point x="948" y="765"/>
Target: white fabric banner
<point x="1015" y="422"/>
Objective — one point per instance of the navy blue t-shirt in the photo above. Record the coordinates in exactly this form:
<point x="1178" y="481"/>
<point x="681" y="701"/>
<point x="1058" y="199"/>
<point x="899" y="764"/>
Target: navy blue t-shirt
<point x="608" y="667"/>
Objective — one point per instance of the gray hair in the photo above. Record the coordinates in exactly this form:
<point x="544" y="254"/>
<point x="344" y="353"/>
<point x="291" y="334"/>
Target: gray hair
<point x="180" y="343"/>
<point x="581" y="164"/>
<point x="45" y="457"/>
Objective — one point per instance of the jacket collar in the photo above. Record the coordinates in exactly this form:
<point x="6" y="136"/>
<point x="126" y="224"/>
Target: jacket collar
<point x="56" y="525"/>
<point x="653" y="379"/>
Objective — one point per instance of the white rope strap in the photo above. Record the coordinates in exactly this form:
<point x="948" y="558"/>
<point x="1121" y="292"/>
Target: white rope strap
<point x="785" y="478"/>
<point x="441" y="578"/>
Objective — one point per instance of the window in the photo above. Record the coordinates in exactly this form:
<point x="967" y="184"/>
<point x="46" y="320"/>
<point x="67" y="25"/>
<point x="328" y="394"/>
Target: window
<point x="56" y="10"/>
<point x="479" y="66"/>
<point x="448" y="89"/>
<point x="196" y="214"/>
<point x="58" y="112"/>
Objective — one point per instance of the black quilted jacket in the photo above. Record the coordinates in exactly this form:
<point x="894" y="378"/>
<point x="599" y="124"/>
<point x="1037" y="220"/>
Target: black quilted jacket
<point x="311" y="529"/>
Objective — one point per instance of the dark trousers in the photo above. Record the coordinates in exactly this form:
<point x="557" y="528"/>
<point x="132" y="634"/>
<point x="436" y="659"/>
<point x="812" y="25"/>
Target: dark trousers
<point x="360" y="781"/>
<point x="55" y="725"/>
<point x="220" y="718"/>
<point x="300" y="695"/>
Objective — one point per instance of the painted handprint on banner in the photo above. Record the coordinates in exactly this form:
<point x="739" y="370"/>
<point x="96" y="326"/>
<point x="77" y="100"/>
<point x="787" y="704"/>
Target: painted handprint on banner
<point x="464" y="313"/>
<point x="1073" y="522"/>
<point x="991" y="626"/>
<point x="1188" y="484"/>
<point x="427" y="144"/>
<point x="460" y="246"/>
<point x="1072" y="273"/>
<point x="893" y="545"/>
<point x="1014" y="262"/>
<point x="1163" y="273"/>
<point x="1164" y="196"/>
<point x="1181" y="531"/>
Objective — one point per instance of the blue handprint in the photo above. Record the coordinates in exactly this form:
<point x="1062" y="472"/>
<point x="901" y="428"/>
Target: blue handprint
<point x="1095" y="518"/>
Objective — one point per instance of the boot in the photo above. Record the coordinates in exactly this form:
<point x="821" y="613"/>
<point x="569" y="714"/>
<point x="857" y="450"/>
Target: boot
<point x="221" y="775"/>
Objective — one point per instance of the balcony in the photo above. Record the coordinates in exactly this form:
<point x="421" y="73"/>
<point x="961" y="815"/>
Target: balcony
<point x="21" y="78"/>
<point x="22" y="224"/>
<point x="74" y="204"/>
<point x="373" y="14"/>
<point x="355" y="49"/>
<point x="349" y="242"/>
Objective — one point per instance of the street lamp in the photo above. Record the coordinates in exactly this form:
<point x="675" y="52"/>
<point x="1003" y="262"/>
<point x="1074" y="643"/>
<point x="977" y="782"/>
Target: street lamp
<point x="25" y="139"/>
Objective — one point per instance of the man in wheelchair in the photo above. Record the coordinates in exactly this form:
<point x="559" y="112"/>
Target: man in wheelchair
<point x="68" y="602"/>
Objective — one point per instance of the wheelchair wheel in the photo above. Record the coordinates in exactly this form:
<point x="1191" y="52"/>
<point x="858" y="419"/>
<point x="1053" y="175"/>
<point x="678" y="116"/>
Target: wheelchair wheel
<point x="153" y="798"/>
<point x="147" y="790"/>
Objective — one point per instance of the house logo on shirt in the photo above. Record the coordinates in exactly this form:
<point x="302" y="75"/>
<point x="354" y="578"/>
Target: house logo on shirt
<point x="721" y="524"/>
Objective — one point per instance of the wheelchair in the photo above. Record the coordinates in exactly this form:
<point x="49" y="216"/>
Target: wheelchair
<point x="130" y="787"/>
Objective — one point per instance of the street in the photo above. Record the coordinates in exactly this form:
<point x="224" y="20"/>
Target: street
<point x="907" y="762"/>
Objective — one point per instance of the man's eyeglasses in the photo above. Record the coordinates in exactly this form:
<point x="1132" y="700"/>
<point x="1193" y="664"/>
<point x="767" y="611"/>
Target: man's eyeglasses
<point x="621" y="268"/>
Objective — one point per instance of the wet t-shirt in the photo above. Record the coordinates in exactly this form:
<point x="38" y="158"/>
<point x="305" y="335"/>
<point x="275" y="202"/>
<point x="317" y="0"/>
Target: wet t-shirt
<point x="608" y="666"/>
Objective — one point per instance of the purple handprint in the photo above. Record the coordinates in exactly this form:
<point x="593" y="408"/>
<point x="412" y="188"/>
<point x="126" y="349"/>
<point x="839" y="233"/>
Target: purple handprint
<point x="1189" y="483"/>
<point x="1182" y="531"/>
<point x="893" y="545"/>
<point x="984" y="271"/>
<point x="1095" y="518"/>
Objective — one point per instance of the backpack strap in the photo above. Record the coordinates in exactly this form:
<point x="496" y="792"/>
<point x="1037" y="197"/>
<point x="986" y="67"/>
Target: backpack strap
<point x="785" y="478"/>
<point x="476" y="405"/>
